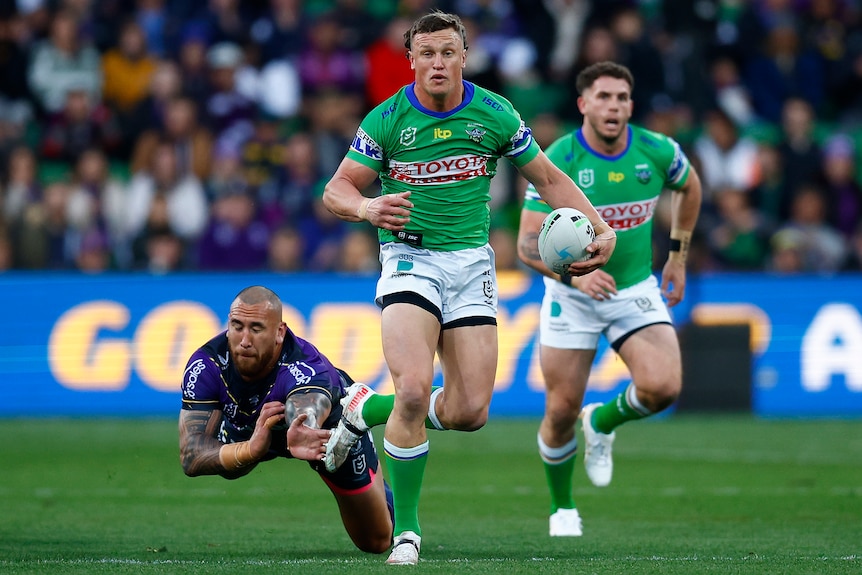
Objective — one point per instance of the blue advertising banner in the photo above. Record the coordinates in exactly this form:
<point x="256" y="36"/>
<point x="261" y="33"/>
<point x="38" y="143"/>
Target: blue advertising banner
<point x="117" y="344"/>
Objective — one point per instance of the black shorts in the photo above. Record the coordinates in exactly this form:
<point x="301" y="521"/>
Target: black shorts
<point x="357" y="472"/>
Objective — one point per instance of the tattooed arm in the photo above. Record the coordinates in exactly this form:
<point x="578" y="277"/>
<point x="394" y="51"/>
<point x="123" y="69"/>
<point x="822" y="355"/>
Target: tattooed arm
<point x="201" y="453"/>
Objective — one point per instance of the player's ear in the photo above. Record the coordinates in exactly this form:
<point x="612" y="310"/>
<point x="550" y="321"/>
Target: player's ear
<point x="282" y="331"/>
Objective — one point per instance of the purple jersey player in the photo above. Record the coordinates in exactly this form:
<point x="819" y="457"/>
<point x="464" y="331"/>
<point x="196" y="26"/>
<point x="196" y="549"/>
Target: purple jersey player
<point x="256" y="392"/>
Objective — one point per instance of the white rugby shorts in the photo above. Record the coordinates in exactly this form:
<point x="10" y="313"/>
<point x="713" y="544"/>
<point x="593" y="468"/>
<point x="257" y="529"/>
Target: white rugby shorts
<point x="461" y="283"/>
<point x="570" y="319"/>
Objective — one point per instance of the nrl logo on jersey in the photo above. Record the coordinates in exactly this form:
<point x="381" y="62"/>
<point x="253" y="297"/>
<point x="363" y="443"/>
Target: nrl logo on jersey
<point x="643" y="173"/>
<point x="477" y="134"/>
<point x="586" y="177"/>
<point x="408" y="136"/>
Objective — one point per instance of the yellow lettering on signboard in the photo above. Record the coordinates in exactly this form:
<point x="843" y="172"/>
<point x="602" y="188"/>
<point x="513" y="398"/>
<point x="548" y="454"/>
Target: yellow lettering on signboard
<point x="165" y="339"/>
<point x="514" y="334"/>
<point x="79" y="358"/>
<point x="349" y="335"/>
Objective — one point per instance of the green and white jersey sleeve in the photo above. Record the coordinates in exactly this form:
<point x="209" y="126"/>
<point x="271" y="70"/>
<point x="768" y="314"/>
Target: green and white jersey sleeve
<point x="446" y="160"/>
<point x="624" y="189"/>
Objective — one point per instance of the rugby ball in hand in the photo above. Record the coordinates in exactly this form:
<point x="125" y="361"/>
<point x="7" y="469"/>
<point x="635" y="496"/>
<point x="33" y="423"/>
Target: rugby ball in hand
<point x="563" y="238"/>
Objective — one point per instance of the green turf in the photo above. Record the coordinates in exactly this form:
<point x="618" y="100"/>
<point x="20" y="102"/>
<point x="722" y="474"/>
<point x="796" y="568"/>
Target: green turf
<point x="690" y="495"/>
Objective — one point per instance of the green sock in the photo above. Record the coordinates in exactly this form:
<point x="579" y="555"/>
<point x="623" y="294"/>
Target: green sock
<point x="378" y="407"/>
<point x="559" y="463"/>
<point x="406" y="466"/>
<point x="625" y="407"/>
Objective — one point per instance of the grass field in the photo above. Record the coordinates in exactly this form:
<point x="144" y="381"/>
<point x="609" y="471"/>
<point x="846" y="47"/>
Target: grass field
<point x="691" y="494"/>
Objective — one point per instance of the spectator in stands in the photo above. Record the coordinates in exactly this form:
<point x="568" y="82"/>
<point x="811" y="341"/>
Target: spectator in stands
<point x="235" y="237"/>
<point x="163" y="251"/>
<point x="62" y="62"/>
<point x="772" y="194"/>
<point x="637" y="51"/>
<point x="183" y="196"/>
<point x="729" y="92"/>
<point x="739" y="239"/>
<point x="279" y="31"/>
<point x="228" y="114"/>
<point x="821" y="247"/>
<point x="786" y="255"/>
<point x="287" y="198"/>
<point x="225" y="21"/>
<point x="727" y="159"/>
<point x="801" y="156"/>
<point x="155" y="20"/>
<point x="360" y="27"/>
<point x="92" y="252"/>
<point x="598" y="44"/>
<point x="385" y="63"/>
<point x="16" y="109"/>
<point x="333" y="117"/>
<point x="127" y="69"/>
<point x="42" y="238"/>
<point x="21" y="184"/>
<point x="82" y="123"/>
<point x="191" y="61"/>
<point x="325" y="65"/>
<point x="192" y="142"/>
<point x="285" y="250"/>
<point x="263" y="155"/>
<point x="149" y="114"/>
<point x="784" y="68"/>
<point x="843" y="192"/>
<point x="97" y="200"/>
<point x="359" y="252"/>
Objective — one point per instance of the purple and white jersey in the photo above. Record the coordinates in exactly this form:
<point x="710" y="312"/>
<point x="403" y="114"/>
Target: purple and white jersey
<point x="211" y="381"/>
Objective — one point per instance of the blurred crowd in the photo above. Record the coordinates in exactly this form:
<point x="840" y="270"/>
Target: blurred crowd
<point x="168" y="135"/>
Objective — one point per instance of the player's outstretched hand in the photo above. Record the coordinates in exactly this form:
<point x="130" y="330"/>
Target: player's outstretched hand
<point x="601" y="248"/>
<point x="306" y="442"/>
<point x="390" y="212"/>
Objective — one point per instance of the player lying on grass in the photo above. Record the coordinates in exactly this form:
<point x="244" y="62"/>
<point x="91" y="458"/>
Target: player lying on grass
<point x="257" y="392"/>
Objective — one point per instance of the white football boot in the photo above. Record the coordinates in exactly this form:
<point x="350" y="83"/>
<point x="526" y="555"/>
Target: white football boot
<point x="597" y="451"/>
<point x="350" y="427"/>
<point x="405" y="549"/>
<point x="566" y="523"/>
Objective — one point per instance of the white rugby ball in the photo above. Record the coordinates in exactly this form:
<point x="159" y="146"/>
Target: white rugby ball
<point x="563" y="238"/>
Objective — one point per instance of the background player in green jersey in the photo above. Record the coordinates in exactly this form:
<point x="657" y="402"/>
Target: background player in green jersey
<point x="434" y="145"/>
<point x="623" y="170"/>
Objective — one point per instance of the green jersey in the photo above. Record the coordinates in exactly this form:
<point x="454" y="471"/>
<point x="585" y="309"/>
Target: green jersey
<point x="445" y="159"/>
<point x="624" y="190"/>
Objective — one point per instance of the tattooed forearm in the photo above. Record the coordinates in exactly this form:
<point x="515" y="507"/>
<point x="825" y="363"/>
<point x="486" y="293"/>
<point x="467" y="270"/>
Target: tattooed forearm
<point x="316" y="405"/>
<point x="199" y="447"/>
<point x="530" y="247"/>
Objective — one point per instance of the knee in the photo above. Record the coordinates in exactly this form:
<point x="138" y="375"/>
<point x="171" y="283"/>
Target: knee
<point x="562" y="416"/>
<point x="412" y="401"/>
<point x="374" y="544"/>
<point x="659" y="394"/>
<point x="465" y="417"/>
